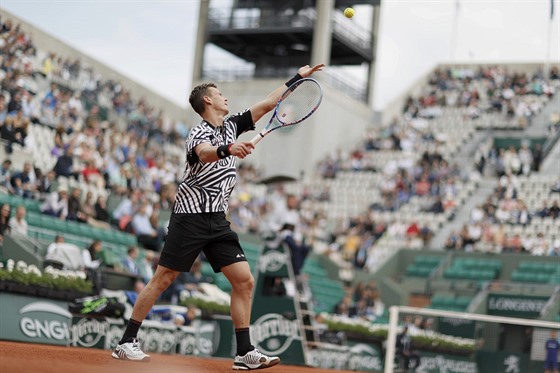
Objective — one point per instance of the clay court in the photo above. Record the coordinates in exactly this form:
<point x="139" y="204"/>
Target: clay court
<point x="26" y="358"/>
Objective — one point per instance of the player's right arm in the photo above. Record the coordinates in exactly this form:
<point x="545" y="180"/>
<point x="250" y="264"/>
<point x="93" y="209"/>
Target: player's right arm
<point x="208" y="153"/>
<point x="262" y="107"/>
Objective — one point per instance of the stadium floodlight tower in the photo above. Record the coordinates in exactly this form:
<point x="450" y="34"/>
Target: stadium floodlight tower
<point x="276" y="37"/>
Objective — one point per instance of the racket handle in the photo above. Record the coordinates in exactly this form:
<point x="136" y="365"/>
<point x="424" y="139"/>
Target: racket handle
<point x="255" y="140"/>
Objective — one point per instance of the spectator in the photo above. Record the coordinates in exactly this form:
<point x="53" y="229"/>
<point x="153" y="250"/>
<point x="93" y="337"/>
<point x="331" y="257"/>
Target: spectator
<point x="92" y="255"/>
<point x="24" y="183"/>
<point x="360" y="259"/>
<point x="88" y="213"/>
<point x="75" y="209"/>
<point x="46" y="183"/>
<point x="127" y="207"/>
<point x="59" y="144"/>
<point x="129" y="263"/>
<point x="65" y="255"/>
<point x="345" y="306"/>
<point x="52" y="247"/>
<point x="5" y="175"/>
<point x="544" y="210"/>
<point x="149" y="237"/>
<point x="410" y="359"/>
<point x="413" y="230"/>
<point x="4" y="221"/>
<point x="195" y="276"/>
<point x="454" y="241"/>
<point x="293" y="237"/>
<point x="18" y="224"/>
<point x="7" y="133"/>
<point x="276" y="288"/>
<point x="56" y="203"/>
<point x="437" y="206"/>
<point x="538" y="157"/>
<point x="555" y="188"/>
<point x="554" y="210"/>
<point x="65" y="164"/>
<point x="101" y="212"/>
<point x="132" y="295"/>
<point x="147" y="265"/>
<point x="92" y="175"/>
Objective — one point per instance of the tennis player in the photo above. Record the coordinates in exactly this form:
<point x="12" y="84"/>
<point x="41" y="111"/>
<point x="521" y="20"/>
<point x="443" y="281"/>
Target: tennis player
<point x="198" y="221"/>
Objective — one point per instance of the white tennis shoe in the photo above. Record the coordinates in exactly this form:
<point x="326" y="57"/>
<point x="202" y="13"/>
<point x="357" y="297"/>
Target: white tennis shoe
<point x="130" y="351"/>
<point x="254" y="360"/>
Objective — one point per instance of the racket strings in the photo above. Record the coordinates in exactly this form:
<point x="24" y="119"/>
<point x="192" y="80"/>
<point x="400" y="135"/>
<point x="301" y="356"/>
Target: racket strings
<point x="299" y="103"/>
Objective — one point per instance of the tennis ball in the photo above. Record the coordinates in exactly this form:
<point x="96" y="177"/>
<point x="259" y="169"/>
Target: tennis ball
<point x="349" y="12"/>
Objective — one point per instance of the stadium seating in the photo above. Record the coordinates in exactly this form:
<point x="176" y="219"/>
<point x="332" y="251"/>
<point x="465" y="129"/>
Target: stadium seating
<point x="423" y="265"/>
<point x="473" y="269"/>
<point x="450" y="302"/>
<point x="537" y="272"/>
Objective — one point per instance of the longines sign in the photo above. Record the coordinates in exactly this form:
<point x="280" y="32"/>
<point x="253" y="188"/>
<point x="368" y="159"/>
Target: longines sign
<point x="515" y="305"/>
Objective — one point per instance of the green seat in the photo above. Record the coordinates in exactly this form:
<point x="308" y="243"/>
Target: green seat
<point x="5" y="198"/>
<point x="131" y="239"/>
<point x="428" y="260"/>
<point x="111" y="236"/>
<point x="52" y="223"/>
<point x="15" y="201"/>
<point x="33" y="219"/>
<point x="99" y="234"/>
<point x="418" y="271"/>
<point x="517" y="275"/>
<point x="542" y="277"/>
<point x="32" y="205"/>
<point x="73" y="227"/>
<point x="462" y="302"/>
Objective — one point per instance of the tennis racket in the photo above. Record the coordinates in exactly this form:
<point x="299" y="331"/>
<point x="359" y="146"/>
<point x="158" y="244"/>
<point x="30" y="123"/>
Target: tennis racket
<point x="297" y="104"/>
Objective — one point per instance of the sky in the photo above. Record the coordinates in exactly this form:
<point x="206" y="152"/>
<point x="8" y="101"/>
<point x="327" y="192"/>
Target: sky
<point x="153" y="42"/>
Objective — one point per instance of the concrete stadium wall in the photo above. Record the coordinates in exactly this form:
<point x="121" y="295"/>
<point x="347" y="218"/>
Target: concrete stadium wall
<point x="48" y="43"/>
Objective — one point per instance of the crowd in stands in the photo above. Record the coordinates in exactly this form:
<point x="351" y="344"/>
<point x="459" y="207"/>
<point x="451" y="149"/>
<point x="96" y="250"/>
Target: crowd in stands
<point x="510" y="161"/>
<point x="103" y="144"/>
<point x="490" y="89"/>
<point x="486" y="229"/>
<point x="102" y="137"/>
<point x="362" y="301"/>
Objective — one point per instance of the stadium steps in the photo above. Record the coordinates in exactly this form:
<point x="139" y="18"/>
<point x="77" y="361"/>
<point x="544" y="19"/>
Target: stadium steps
<point x="485" y="189"/>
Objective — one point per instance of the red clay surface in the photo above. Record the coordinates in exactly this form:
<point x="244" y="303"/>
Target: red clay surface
<point x="28" y="358"/>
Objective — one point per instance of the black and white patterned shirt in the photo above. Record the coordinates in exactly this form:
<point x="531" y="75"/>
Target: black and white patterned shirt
<point x="206" y="187"/>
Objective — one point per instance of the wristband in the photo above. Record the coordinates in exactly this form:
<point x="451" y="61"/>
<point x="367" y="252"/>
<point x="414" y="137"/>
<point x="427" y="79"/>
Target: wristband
<point x="223" y="151"/>
<point x="293" y="80"/>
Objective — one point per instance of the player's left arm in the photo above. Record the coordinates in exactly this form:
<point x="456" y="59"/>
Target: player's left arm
<point x="262" y="107"/>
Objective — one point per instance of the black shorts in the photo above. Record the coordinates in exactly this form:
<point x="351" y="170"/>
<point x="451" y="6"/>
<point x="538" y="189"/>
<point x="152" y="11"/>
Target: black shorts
<point x="189" y="234"/>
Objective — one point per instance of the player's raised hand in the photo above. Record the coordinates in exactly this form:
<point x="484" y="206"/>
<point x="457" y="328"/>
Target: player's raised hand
<point x="306" y="70"/>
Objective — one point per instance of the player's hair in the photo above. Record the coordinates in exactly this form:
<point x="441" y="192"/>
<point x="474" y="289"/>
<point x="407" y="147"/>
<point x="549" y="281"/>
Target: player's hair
<point x="197" y="95"/>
